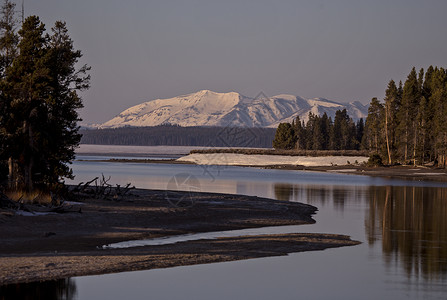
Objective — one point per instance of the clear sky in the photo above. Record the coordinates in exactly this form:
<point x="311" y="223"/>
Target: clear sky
<point x="341" y="50"/>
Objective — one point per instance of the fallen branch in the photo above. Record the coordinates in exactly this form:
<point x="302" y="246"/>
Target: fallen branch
<point x="102" y="189"/>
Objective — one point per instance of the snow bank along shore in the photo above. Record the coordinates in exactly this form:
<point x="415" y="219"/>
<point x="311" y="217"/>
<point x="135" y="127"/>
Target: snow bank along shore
<point x="269" y="160"/>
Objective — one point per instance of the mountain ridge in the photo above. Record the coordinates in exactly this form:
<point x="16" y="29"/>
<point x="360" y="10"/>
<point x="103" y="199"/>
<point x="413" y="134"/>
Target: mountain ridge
<point x="208" y="108"/>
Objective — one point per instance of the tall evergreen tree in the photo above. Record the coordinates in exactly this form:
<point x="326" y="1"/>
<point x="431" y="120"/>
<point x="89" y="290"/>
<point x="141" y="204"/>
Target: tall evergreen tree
<point x="325" y="128"/>
<point x="8" y="36"/>
<point x="8" y="52"/>
<point x="343" y="132"/>
<point x="391" y="108"/>
<point x="360" y="131"/>
<point x="374" y="125"/>
<point x="428" y="109"/>
<point x="27" y="81"/>
<point x="63" y="103"/>
<point x="439" y="99"/>
<point x="284" y="137"/>
<point x="409" y="111"/>
<point x="300" y="134"/>
<point x="40" y="88"/>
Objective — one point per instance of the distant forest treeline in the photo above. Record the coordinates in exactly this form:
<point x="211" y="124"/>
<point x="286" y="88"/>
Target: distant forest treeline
<point x="171" y="135"/>
<point x="409" y="127"/>
<point x="320" y="133"/>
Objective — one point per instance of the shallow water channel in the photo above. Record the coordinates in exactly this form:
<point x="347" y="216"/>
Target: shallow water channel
<point x="402" y="226"/>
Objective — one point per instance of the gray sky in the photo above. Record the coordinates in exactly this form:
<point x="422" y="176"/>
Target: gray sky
<point x="341" y="50"/>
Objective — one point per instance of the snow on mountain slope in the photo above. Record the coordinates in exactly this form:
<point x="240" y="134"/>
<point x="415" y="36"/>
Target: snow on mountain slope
<point x="208" y="108"/>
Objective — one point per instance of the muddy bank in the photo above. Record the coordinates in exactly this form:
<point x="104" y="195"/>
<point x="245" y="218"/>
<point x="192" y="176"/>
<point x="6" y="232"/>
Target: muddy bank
<point x="54" y="246"/>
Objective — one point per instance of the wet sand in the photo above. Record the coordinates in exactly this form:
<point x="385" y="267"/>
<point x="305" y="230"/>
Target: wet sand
<point x="55" y="246"/>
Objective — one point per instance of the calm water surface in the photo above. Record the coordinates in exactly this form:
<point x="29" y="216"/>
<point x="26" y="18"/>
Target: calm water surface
<point x="402" y="226"/>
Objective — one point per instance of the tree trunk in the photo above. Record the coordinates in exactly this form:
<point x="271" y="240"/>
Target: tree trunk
<point x="386" y="135"/>
<point x="29" y="160"/>
<point x="415" y="144"/>
<point x="12" y="174"/>
<point x="406" y="145"/>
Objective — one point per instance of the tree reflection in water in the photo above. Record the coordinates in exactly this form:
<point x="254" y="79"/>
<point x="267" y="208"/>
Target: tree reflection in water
<point x="63" y="289"/>
<point x="410" y="221"/>
<point x="413" y="226"/>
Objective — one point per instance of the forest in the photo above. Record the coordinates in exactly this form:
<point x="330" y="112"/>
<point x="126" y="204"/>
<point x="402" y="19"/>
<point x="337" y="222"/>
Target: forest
<point x="408" y="127"/>
<point x="172" y="135"/>
<point x="320" y="133"/>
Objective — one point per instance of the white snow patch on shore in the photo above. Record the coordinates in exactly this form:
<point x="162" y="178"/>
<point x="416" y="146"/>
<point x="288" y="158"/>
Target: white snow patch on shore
<point x="268" y="160"/>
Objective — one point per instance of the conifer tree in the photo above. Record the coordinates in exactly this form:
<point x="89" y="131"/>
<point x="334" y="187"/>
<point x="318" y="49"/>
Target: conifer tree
<point x="428" y="109"/>
<point x="63" y="102"/>
<point x="374" y="125"/>
<point x="284" y="137"/>
<point x="8" y="52"/>
<point x="360" y="131"/>
<point x="343" y="131"/>
<point x="325" y="127"/>
<point x="9" y="38"/>
<point x="40" y="91"/>
<point x="391" y="108"/>
<point x="27" y="81"/>
<point x="439" y="99"/>
<point x="408" y="113"/>
<point x="300" y="134"/>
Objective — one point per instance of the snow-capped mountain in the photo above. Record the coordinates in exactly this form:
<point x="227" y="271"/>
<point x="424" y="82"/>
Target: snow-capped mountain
<point x="208" y="108"/>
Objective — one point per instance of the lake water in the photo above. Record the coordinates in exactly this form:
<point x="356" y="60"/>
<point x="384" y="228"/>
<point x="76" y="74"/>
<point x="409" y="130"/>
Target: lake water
<point x="402" y="226"/>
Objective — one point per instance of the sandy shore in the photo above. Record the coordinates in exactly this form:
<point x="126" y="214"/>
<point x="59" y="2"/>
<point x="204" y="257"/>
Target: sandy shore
<point x="44" y="247"/>
<point x="419" y="173"/>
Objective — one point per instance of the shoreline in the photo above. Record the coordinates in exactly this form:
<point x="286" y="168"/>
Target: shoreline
<point x="414" y="173"/>
<point x="56" y="246"/>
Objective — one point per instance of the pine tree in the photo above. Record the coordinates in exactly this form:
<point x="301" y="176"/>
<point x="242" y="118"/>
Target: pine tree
<point x="325" y="128"/>
<point x="438" y="97"/>
<point x="41" y="86"/>
<point x="360" y="130"/>
<point x="391" y="108"/>
<point x="284" y="137"/>
<point x="27" y="81"/>
<point x="300" y="134"/>
<point x="336" y="133"/>
<point x="63" y="103"/>
<point x="374" y="125"/>
<point x="428" y="108"/>
<point x="9" y="38"/>
<point x="408" y="114"/>
<point x="343" y="136"/>
<point x="8" y="52"/>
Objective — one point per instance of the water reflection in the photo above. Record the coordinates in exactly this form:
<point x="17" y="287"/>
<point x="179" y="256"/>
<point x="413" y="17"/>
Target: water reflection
<point x="63" y="289"/>
<point x="410" y="221"/>
<point x="313" y="194"/>
<point x="283" y="191"/>
<point x="412" y="224"/>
